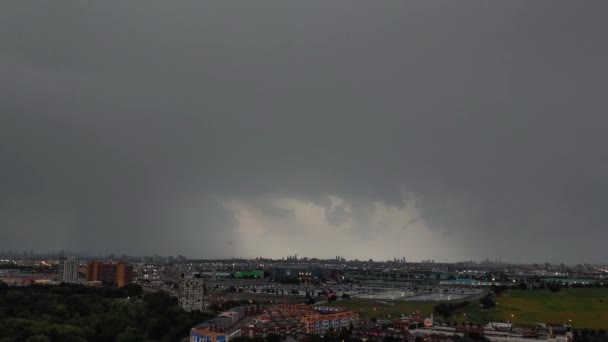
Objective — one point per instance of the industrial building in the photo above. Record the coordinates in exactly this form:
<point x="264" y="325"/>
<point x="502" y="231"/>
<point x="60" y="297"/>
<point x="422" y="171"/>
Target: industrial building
<point x="303" y="273"/>
<point x="255" y="274"/>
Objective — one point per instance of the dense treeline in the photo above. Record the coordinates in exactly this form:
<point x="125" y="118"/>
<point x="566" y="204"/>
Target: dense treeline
<point x="74" y="313"/>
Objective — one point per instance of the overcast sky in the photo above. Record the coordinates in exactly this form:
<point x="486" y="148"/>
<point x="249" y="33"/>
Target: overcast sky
<point x="446" y="130"/>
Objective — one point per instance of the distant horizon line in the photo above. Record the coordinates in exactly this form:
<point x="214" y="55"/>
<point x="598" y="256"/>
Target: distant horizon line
<point x="32" y="253"/>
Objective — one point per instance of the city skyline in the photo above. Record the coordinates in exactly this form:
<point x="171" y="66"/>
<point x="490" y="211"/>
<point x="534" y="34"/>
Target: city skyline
<point x="442" y="130"/>
<point x="16" y="255"/>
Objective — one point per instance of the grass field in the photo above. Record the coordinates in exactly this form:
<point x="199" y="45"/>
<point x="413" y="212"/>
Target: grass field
<point x="587" y="308"/>
<point x="384" y="309"/>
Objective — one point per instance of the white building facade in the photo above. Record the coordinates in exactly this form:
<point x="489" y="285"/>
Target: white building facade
<point x="67" y="270"/>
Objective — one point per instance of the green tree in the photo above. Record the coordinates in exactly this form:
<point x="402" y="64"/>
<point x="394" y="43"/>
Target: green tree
<point x="134" y="290"/>
<point x="329" y="336"/>
<point x="38" y="338"/>
<point x="3" y="287"/>
<point x="272" y="337"/>
<point x="64" y="332"/>
<point x="241" y="339"/>
<point x="487" y="302"/>
<point x="157" y="327"/>
<point x="74" y="313"/>
<point x="129" y="335"/>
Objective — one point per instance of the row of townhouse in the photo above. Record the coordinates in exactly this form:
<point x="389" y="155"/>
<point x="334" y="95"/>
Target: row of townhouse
<point x="336" y="321"/>
<point x="294" y="319"/>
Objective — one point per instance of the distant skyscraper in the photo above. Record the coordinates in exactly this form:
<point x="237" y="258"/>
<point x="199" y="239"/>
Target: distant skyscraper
<point x="68" y="270"/>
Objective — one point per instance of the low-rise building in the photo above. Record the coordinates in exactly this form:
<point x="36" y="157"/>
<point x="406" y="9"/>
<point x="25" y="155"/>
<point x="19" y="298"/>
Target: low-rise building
<point x="224" y="326"/>
<point x="292" y="319"/>
<point x="321" y="323"/>
<point x="287" y="327"/>
<point x="208" y="335"/>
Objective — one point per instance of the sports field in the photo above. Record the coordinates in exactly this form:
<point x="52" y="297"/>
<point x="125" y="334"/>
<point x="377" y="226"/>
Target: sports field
<point x="586" y="308"/>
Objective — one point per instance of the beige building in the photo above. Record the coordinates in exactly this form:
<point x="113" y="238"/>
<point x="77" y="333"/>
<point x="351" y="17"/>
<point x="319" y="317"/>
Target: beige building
<point x="191" y="294"/>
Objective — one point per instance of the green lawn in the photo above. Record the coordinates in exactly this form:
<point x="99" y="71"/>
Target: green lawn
<point x="586" y="308"/>
<point x="382" y="309"/>
<point x="528" y="307"/>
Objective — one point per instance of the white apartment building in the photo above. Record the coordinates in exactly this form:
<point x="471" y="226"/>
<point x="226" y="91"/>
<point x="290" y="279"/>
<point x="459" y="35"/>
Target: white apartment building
<point x="68" y="270"/>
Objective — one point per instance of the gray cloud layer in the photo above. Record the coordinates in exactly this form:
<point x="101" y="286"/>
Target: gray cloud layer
<point x="124" y="126"/>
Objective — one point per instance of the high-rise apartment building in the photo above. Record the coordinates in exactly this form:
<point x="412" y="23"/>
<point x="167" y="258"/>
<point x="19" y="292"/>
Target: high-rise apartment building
<point x="124" y="274"/>
<point x="106" y="273"/>
<point x="67" y="270"/>
<point x="191" y="293"/>
<point x="120" y="274"/>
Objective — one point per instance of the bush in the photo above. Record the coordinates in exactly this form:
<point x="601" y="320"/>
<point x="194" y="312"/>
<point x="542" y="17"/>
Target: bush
<point x="446" y="309"/>
<point x="38" y="338"/>
<point x="554" y="287"/>
<point x="487" y="302"/>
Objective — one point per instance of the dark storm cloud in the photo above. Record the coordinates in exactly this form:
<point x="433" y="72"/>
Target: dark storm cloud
<point x="138" y="119"/>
